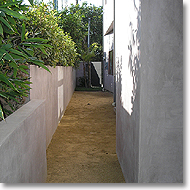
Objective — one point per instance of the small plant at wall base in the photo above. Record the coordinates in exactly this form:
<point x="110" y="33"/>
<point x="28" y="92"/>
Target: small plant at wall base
<point x="16" y="53"/>
<point x="81" y="81"/>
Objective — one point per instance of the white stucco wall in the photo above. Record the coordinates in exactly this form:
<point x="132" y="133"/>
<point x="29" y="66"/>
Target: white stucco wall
<point x="149" y="86"/>
<point x="108" y="44"/>
<point x="108" y="14"/>
<point x="127" y="42"/>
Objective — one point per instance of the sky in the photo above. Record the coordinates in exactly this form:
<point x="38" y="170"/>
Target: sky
<point x="93" y="2"/>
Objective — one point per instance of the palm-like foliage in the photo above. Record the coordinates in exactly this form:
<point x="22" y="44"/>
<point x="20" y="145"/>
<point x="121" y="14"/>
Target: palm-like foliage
<point x="16" y="53"/>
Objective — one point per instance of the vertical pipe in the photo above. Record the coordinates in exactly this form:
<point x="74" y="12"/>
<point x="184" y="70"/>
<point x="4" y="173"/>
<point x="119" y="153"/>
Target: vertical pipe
<point x="102" y="66"/>
<point x="55" y="4"/>
<point x="114" y="64"/>
<point x="89" y="63"/>
<point x="103" y="61"/>
<point x="88" y="32"/>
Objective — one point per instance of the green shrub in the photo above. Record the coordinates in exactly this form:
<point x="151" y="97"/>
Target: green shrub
<point x="43" y="23"/>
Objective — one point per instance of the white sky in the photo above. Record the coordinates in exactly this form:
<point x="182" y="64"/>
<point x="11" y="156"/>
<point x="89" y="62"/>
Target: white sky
<point x="94" y="2"/>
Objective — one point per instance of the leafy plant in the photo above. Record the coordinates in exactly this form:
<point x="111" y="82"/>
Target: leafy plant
<point x="72" y="23"/>
<point x="16" y="53"/>
<point x="43" y="23"/>
<point x="81" y="81"/>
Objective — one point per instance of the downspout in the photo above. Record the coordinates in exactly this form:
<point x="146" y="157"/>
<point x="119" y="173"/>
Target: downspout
<point x="55" y="4"/>
<point x="114" y="64"/>
<point x="89" y="62"/>
<point x="103" y="47"/>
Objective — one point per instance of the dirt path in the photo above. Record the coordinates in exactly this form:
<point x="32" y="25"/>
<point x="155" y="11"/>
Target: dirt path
<point x="83" y="148"/>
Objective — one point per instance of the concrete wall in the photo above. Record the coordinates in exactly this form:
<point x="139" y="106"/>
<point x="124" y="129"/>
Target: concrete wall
<point x="27" y="132"/>
<point x="23" y="145"/>
<point x="162" y="92"/>
<point x="149" y="86"/>
<point x="108" y="81"/>
<point x="56" y="88"/>
<point x="79" y="73"/>
<point x="108" y="44"/>
<point x="127" y="41"/>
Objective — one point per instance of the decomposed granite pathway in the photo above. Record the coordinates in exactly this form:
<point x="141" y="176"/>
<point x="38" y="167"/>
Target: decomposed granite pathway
<point x="83" y="148"/>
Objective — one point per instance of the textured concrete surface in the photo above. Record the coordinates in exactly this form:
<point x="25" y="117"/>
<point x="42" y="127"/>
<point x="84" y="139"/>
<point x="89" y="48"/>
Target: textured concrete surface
<point x="56" y="88"/>
<point x="23" y="145"/>
<point x="108" y="81"/>
<point x="149" y="64"/>
<point x="127" y="41"/>
<point x="161" y="129"/>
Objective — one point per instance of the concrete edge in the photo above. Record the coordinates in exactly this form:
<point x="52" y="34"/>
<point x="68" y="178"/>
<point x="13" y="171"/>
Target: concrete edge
<point x="14" y="121"/>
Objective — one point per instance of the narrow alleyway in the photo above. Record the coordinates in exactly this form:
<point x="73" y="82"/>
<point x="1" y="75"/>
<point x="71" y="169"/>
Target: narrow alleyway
<point x="83" y="148"/>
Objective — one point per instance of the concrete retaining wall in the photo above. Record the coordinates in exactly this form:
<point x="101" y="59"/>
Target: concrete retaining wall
<point x="149" y="86"/>
<point x="26" y="133"/>
<point x="23" y="145"/>
<point x="56" y="88"/>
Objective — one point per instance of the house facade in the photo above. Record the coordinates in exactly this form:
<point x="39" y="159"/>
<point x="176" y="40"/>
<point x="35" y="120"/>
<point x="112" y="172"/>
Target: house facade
<point x="148" y="63"/>
<point x="108" y="45"/>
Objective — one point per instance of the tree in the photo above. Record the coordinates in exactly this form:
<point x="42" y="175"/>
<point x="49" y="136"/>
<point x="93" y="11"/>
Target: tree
<point x="71" y="22"/>
<point x="74" y="20"/>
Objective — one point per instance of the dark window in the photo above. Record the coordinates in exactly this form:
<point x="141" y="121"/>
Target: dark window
<point x="105" y="2"/>
<point x="110" y="63"/>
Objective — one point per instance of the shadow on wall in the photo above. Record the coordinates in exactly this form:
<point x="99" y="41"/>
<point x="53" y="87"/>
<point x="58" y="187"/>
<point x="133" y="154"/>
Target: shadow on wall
<point x="134" y="57"/>
<point x="133" y="60"/>
<point x="128" y="116"/>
